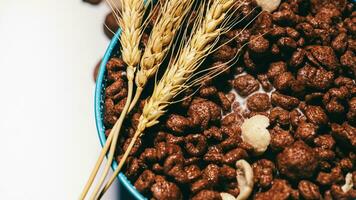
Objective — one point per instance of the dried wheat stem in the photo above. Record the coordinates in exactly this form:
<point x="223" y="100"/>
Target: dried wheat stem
<point x="160" y="41"/>
<point x="189" y="57"/>
<point x="115" y="133"/>
<point x="96" y="167"/>
<point x="130" y="21"/>
<point x="138" y="132"/>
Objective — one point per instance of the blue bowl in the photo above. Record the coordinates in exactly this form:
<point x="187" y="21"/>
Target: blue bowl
<point x="113" y="50"/>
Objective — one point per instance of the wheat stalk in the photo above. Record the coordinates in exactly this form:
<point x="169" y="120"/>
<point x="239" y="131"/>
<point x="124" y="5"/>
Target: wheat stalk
<point x="130" y="20"/>
<point x="159" y="42"/>
<point x="202" y="40"/>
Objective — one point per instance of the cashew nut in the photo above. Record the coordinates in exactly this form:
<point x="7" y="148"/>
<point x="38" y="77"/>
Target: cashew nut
<point x="244" y="179"/>
<point x="254" y="132"/>
<point x="227" y="196"/>
<point x="268" y="5"/>
<point x="348" y="183"/>
<point x="244" y="176"/>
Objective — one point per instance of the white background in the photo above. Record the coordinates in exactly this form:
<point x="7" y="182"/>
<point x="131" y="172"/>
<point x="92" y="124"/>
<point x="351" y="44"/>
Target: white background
<point x="48" y="144"/>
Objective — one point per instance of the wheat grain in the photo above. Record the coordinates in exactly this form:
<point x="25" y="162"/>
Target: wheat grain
<point x="202" y="40"/>
<point x="131" y="25"/>
<point x="160" y="41"/>
<point x="130" y="20"/>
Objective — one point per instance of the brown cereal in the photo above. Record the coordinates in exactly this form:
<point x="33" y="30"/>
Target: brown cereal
<point x="178" y="123"/>
<point x="297" y="161"/>
<point x="325" y="141"/>
<point x="227" y="173"/>
<point x="165" y="190"/>
<point x="287" y="44"/>
<point x="315" y="78"/>
<point x="291" y="32"/>
<point x="276" y="69"/>
<point x="348" y="61"/>
<point x="306" y="132"/>
<point x="334" y="176"/>
<point x="234" y="155"/>
<point x="337" y="193"/>
<point x="214" y="155"/>
<point x="345" y="133"/>
<point x="305" y="50"/>
<point x="339" y="43"/>
<point x="115" y="87"/>
<point x="193" y="172"/>
<point x="279" y="116"/>
<point x="266" y="84"/>
<point x="280" y="190"/>
<point x="195" y="145"/>
<point x="202" y="112"/>
<point x="284" y="101"/>
<point x="258" y="102"/>
<point x="145" y="181"/>
<point x="224" y="53"/>
<point x="263" y="171"/>
<point x="283" y="81"/>
<point x="309" y="190"/>
<point x="225" y="101"/>
<point x="258" y="44"/>
<point x="325" y="56"/>
<point x="297" y="58"/>
<point x="245" y="84"/>
<point x="280" y="139"/>
<point x="316" y="115"/>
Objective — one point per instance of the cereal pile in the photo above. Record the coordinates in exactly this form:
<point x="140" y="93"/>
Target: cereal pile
<point x="295" y="80"/>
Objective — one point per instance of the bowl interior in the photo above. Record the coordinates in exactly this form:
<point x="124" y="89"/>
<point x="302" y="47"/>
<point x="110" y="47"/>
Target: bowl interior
<point x="112" y="51"/>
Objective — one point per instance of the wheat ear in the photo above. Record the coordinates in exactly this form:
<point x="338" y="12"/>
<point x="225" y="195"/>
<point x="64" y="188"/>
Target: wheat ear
<point x="130" y="22"/>
<point x="189" y="58"/>
<point x="159" y="42"/>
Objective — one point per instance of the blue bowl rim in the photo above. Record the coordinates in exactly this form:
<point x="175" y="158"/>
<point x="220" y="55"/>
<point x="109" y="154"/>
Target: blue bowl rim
<point x="99" y="89"/>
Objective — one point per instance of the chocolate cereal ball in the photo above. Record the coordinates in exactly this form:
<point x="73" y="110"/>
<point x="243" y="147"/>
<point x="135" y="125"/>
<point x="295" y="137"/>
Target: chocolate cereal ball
<point x="297" y="161"/>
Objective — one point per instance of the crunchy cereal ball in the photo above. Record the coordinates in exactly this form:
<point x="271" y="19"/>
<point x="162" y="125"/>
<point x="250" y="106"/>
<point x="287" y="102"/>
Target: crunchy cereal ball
<point x="245" y="84"/>
<point x="279" y="190"/>
<point x="325" y="56"/>
<point x="263" y="171"/>
<point x="284" y="101"/>
<point x="268" y="5"/>
<point x="306" y="131"/>
<point x="258" y="44"/>
<point x="258" y="102"/>
<point x="202" y="111"/>
<point x="345" y="134"/>
<point x="308" y="190"/>
<point x="276" y="68"/>
<point x="328" y="178"/>
<point x="280" y="139"/>
<point x="254" y="132"/>
<point x="165" y="190"/>
<point x="145" y="181"/>
<point x="316" y="115"/>
<point x="297" y="161"/>
<point x="178" y="123"/>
